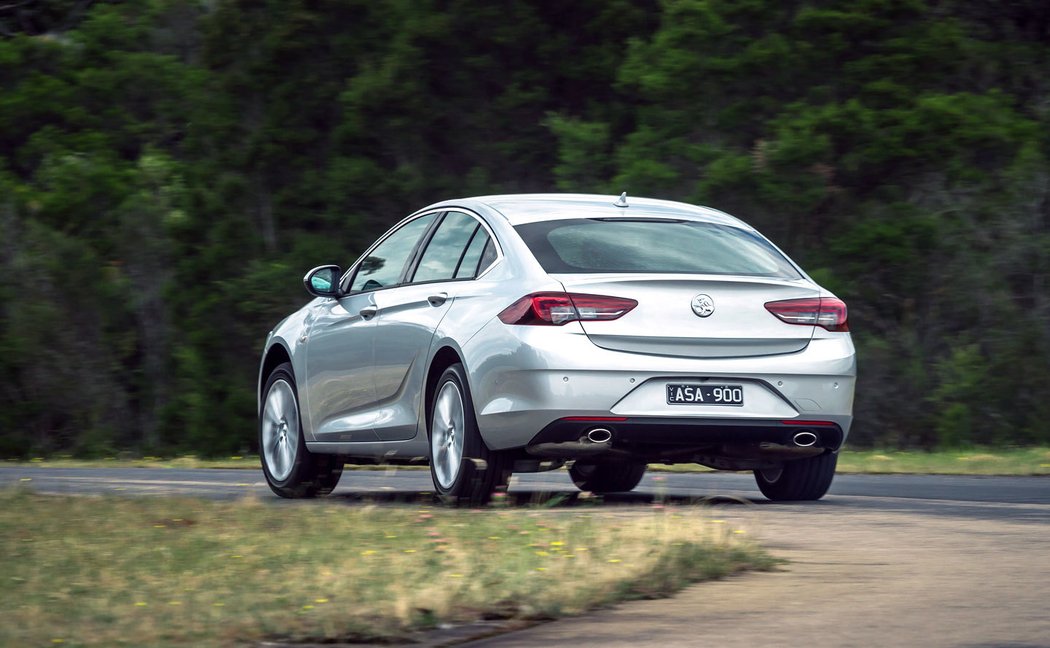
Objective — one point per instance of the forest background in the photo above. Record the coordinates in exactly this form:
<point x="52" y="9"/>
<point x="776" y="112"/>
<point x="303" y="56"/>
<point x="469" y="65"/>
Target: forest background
<point x="170" y="168"/>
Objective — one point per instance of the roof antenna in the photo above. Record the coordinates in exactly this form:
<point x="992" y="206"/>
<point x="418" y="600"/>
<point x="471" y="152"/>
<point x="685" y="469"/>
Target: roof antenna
<point x="622" y="202"/>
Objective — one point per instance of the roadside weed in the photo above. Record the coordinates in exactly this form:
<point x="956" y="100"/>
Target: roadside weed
<point x="115" y="571"/>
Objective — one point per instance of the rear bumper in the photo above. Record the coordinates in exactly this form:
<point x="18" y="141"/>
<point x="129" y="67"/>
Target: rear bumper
<point x="689" y="431"/>
<point x="685" y="439"/>
<point x="526" y="379"/>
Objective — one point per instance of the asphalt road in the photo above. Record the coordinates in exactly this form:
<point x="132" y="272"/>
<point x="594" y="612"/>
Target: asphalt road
<point x="882" y="560"/>
<point x="895" y="492"/>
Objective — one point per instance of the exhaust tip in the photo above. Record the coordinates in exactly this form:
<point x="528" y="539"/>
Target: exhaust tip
<point x="599" y="435"/>
<point x="804" y="439"/>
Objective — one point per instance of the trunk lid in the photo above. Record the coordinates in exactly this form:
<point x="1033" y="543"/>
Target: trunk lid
<point x="664" y="322"/>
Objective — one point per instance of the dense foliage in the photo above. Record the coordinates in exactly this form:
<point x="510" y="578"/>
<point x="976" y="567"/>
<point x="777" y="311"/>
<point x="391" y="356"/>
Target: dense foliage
<point x="169" y="168"/>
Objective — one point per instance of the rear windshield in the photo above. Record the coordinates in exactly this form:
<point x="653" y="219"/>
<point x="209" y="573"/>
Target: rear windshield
<point x="659" y="246"/>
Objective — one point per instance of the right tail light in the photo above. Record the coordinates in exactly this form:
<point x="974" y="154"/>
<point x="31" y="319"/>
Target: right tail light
<point x="826" y="312"/>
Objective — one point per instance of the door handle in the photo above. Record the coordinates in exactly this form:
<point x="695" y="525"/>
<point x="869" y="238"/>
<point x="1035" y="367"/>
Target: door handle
<point x="368" y="312"/>
<point x="438" y="299"/>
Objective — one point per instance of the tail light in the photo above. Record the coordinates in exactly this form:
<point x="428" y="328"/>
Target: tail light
<point x="825" y="312"/>
<point x="557" y="308"/>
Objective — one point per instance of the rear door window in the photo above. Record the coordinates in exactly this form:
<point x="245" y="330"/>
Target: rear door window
<point x="456" y="249"/>
<point x="448" y="248"/>
<point x="652" y="246"/>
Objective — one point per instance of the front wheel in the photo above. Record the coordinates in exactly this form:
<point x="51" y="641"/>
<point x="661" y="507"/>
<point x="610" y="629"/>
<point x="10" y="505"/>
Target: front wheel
<point x="464" y="470"/>
<point x="290" y="469"/>
<point x="799" y="480"/>
<point x="609" y="477"/>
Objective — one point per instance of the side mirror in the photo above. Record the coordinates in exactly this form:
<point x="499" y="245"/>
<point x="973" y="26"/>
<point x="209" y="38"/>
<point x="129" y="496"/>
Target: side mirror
<point x="323" y="281"/>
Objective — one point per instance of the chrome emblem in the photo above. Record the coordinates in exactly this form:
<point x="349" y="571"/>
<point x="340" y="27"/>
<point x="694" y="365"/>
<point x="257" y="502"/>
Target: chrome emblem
<point x="703" y="305"/>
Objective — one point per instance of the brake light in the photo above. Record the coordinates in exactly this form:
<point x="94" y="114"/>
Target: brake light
<point x="557" y="308"/>
<point x="825" y="312"/>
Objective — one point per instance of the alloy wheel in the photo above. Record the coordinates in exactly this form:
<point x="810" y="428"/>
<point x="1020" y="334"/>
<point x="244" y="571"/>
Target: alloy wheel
<point x="446" y="434"/>
<point x="280" y="430"/>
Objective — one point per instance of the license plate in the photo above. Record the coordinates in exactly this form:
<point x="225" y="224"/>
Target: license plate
<point x="679" y="394"/>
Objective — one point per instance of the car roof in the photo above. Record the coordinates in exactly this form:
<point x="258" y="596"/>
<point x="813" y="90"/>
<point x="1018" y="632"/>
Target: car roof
<point x="519" y="209"/>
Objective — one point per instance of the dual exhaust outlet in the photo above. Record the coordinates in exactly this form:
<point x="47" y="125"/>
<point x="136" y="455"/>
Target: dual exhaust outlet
<point x="600" y="435"/>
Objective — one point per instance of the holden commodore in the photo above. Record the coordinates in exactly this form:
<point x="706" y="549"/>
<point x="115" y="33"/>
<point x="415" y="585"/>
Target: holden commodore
<point x="519" y="333"/>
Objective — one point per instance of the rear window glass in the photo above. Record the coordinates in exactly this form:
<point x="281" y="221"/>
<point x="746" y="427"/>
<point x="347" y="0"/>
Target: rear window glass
<point x="659" y="246"/>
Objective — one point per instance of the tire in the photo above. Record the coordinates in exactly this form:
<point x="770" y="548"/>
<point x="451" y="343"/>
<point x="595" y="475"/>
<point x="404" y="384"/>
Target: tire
<point x="329" y="471"/>
<point x="462" y="467"/>
<point x="290" y="469"/>
<point x="610" y="477"/>
<point x="800" y="480"/>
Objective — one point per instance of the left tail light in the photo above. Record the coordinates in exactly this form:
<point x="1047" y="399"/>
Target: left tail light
<point x="557" y="308"/>
<point x="825" y="312"/>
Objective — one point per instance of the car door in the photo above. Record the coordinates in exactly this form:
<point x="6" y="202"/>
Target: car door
<point x="409" y="315"/>
<point x="341" y="397"/>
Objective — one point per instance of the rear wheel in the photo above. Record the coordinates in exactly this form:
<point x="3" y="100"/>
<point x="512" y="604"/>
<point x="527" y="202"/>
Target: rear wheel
<point x="799" y="480"/>
<point x="290" y="469"/>
<point x="607" y="477"/>
<point x="464" y="470"/>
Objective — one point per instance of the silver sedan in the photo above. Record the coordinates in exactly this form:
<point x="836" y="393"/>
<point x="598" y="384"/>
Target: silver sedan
<point x="521" y="333"/>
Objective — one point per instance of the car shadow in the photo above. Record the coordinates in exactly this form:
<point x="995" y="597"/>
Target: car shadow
<point x="552" y="499"/>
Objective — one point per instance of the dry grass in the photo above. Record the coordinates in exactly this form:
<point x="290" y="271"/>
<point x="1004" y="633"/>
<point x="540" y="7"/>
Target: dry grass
<point x="113" y="571"/>
<point x="981" y="461"/>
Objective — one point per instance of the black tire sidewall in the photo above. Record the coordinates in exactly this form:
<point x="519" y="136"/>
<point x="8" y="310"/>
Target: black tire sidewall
<point x="801" y="480"/>
<point x="329" y="472"/>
